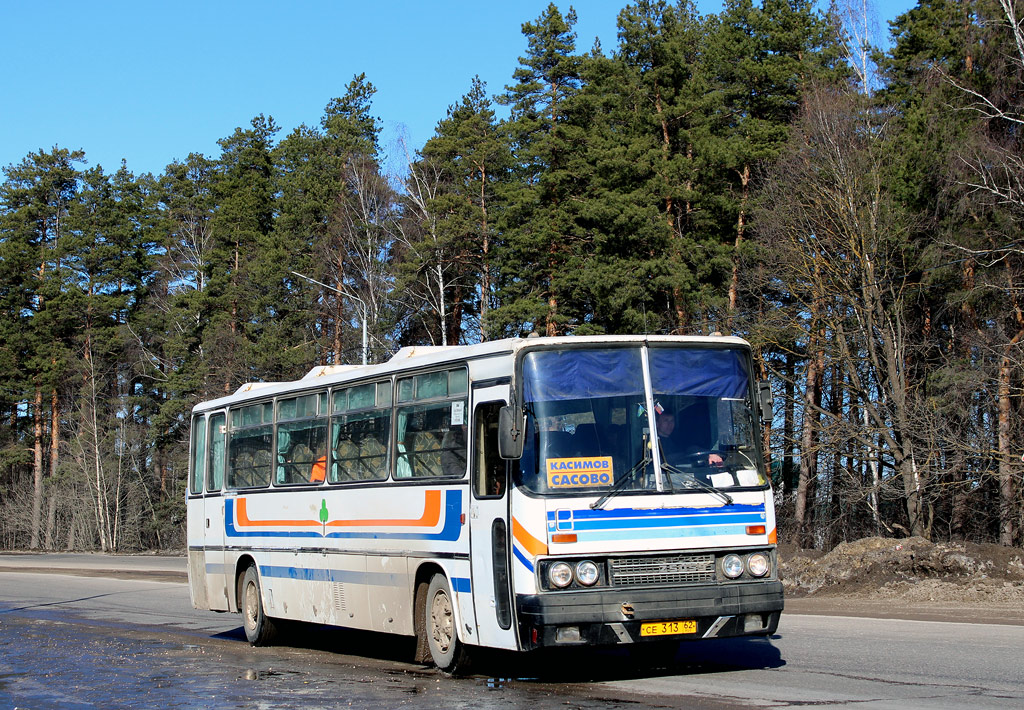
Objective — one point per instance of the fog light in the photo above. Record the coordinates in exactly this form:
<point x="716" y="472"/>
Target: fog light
<point x="754" y="622"/>
<point x="568" y="634"/>
<point x="732" y="566"/>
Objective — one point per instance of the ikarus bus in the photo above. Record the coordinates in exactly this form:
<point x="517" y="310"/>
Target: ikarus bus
<point x="516" y="494"/>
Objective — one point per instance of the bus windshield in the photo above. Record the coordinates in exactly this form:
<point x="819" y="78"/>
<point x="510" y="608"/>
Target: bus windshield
<point x="591" y="412"/>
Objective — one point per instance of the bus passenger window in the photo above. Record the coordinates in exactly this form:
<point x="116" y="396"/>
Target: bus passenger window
<point x="301" y="451"/>
<point x="215" y="469"/>
<point x="198" y="462"/>
<point x="360" y="427"/>
<point x="431" y="435"/>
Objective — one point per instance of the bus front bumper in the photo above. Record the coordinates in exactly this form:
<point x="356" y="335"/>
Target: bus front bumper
<point x="608" y="617"/>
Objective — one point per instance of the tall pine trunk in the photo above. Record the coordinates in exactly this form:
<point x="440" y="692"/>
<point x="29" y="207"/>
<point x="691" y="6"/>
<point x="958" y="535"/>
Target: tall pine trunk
<point x="1007" y="507"/>
<point x="485" y="264"/>
<point x="741" y="225"/>
<point x="37" y="469"/>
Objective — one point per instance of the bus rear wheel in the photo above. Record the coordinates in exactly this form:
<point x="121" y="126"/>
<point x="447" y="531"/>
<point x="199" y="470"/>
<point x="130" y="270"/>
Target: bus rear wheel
<point x="446" y="650"/>
<point x="259" y="628"/>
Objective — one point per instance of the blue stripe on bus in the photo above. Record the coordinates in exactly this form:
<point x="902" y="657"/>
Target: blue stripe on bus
<point x="681" y="519"/>
<point x="310" y="574"/>
<point x="588" y="514"/>
<point x="667" y="522"/>
<point x="380" y="579"/>
<point x="658" y="533"/>
<point x="522" y="558"/>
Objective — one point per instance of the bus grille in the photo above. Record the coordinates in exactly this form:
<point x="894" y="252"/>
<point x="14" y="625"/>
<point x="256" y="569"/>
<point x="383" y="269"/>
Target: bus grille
<point x="675" y="569"/>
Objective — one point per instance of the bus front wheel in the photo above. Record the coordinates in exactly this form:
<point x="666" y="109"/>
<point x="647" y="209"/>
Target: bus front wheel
<point x="448" y="653"/>
<point x="259" y="628"/>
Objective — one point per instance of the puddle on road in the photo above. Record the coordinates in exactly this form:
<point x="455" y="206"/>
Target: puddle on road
<point x="70" y="665"/>
<point x="76" y="666"/>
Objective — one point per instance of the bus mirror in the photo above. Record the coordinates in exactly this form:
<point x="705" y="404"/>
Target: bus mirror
<point x="764" y="391"/>
<point x="510" y="433"/>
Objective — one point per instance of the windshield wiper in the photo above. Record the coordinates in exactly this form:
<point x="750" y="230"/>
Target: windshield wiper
<point x="621" y="483"/>
<point x="691" y="481"/>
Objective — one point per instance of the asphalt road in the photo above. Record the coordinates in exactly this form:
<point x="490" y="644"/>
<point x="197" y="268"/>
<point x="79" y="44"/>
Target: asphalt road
<point x="91" y="640"/>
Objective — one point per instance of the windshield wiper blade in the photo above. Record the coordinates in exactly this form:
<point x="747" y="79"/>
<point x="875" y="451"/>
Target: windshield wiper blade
<point x="621" y="483"/>
<point x="691" y="481"/>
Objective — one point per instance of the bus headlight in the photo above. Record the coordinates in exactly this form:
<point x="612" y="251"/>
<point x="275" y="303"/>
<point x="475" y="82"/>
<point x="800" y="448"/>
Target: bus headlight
<point x="587" y="573"/>
<point x="560" y="575"/>
<point x="758" y="564"/>
<point x="732" y="566"/>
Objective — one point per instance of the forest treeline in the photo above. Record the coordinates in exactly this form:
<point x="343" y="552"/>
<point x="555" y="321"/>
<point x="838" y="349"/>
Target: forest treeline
<point x="763" y="171"/>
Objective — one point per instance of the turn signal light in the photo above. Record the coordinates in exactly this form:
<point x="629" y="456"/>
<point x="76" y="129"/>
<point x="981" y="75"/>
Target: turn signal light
<point x="755" y="530"/>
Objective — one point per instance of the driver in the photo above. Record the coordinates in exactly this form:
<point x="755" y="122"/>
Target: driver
<point x="678" y="442"/>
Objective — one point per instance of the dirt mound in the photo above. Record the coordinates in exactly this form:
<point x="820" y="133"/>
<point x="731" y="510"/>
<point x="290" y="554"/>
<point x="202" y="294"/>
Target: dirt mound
<point x="911" y="570"/>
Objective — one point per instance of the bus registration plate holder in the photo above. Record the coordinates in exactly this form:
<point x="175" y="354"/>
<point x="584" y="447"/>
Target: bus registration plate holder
<point x="668" y="628"/>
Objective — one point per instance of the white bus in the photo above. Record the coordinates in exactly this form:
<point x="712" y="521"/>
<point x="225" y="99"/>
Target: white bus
<point x="516" y="494"/>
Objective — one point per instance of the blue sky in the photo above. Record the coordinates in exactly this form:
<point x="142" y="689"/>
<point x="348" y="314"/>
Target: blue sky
<point x="151" y="82"/>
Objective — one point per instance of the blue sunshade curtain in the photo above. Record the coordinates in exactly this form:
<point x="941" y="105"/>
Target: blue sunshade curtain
<point x="699" y="372"/>
<point x="554" y="375"/>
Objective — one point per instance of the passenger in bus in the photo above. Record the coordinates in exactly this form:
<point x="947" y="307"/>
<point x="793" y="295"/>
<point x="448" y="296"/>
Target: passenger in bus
<point x="319" y="470"/>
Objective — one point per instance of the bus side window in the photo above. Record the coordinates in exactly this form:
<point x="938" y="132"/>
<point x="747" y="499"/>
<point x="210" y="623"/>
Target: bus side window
<point x="198" y="454"/>
<point x="489" y="470"/>
<point x="215" y="469"/>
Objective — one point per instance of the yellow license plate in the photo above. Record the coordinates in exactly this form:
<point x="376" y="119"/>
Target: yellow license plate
<point x="668" y="628"/>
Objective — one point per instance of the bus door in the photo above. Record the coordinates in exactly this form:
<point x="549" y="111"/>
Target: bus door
<point x="217" y="581"/>
<point x="489" y="526"/>
<point x="196" y="509"/>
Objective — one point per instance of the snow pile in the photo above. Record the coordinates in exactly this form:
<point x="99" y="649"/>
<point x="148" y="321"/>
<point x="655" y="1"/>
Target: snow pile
<point x="911" y="569"/>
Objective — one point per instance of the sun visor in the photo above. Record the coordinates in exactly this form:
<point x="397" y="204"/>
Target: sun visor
<point x="557" y="375"/>
<point x="699" y="372"/>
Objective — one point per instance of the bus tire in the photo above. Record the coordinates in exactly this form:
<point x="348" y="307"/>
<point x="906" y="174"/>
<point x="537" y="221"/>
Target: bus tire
<point x="446" y="650"/>
<point x="260" y="629"/>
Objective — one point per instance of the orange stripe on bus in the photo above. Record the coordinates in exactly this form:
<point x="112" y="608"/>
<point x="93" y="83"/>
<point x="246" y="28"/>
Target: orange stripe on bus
<point x="244" y="521"/>
<point x="431" y="516"/>
<point x="529" y="542"/>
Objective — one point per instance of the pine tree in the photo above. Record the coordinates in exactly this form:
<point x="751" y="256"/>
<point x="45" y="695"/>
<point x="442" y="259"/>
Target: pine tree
<point x="641" y="110"/>
<point x="764" y="58"/>
<point x="241" y="263"/>
<point x="319" y="169"/>
<point x="543" y="248"/>
<point x="36" y="198"/>
<point x="109" y="269"/>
